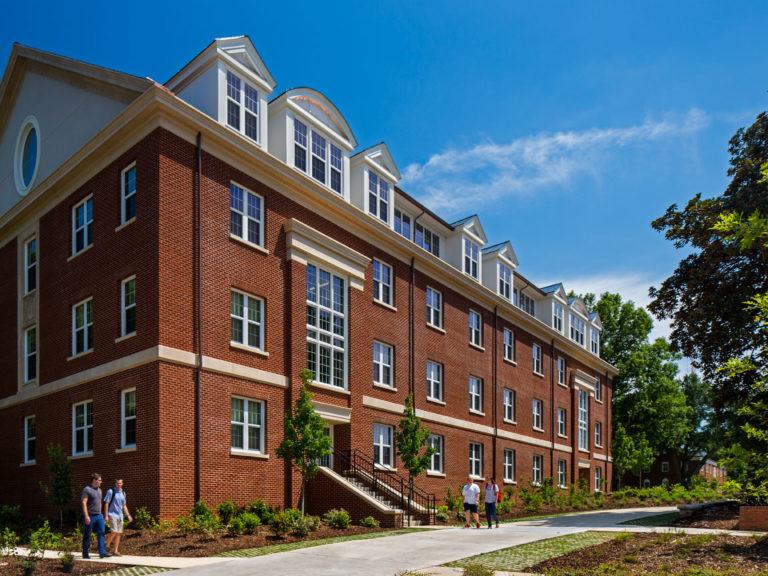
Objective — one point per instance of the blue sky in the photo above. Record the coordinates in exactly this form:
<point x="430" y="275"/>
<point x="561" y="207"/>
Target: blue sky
<point x="567" y="126"/>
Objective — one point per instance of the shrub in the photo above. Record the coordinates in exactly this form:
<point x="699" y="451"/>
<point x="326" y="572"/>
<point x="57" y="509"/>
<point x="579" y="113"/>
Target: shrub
<point x="262" y="510"/>
<point x="8" y="542"/>
<point x="442" y="513"/>
<point x="453" y="501"/>
<point x="235" y="526"/>
<point x="201" y="510"/>
<point x="370" y="522"/>
<point x="185" y="525"/>
<point x="284" y="522"/>
<point x="477" y="570"/>
<point x="10" y="517"/>
<point x="227" y="511"/>
<point x="207" y="525"/>
<point x="531" y="497"/>
<point x="303" y="525"/>
<point x="143" y="519"/>
<point x="337" y="518"/>
<point x="250" y="522"/>
<point x="547" y="490"/>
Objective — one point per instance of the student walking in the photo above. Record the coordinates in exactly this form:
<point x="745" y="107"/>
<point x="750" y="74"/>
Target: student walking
<point x="93" y="521"/>
<point x="491" y="497"/>
<point x="471" y="494"/>
<point x="114" y="506"/>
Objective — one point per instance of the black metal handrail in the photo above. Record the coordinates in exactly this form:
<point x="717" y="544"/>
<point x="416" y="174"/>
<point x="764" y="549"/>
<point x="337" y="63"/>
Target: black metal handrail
<point x="410" y="498"/>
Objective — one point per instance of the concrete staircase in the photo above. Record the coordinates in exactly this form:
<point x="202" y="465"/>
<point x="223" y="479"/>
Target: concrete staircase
<point x="386" y="499"/>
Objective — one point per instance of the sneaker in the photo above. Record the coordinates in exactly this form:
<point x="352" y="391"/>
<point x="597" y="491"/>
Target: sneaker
<point x="466" y="525"/>
<point x="86" y="556"/>
<point x="497" y="524"/>
<point x="116" y="554"/>
<point x="105" y="555"/>
<point x="478" y="524"/>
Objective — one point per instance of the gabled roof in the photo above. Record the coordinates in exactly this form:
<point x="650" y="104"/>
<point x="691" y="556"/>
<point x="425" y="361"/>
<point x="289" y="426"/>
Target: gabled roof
<point x="472" y="225"/>
<point x="594" y="319"/>
<point x="316" y="105"/>
<point x="237" y="51"/>
<point x="555" y="289"/>
<point x="503" y="250"/>
<point x="578" y="304"/>
<point x="380" y="156"/>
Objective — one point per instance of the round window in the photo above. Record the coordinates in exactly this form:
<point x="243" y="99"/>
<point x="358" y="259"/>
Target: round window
<point x="27" y="154"/>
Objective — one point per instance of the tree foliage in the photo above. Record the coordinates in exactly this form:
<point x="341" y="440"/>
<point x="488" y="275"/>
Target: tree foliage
<point x="411" y="441"/>
<point x="60" y="488"/>
<point x="304" y="443"/>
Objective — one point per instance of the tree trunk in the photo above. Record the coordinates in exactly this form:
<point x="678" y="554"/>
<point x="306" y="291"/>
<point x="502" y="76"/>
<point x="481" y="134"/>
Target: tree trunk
<point x="302" y="496"/>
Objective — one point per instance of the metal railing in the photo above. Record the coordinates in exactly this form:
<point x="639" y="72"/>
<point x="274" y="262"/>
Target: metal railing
<point x="388" y="483"/>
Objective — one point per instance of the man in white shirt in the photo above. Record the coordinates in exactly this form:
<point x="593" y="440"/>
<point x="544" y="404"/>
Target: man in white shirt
<point x="471" y="494"/>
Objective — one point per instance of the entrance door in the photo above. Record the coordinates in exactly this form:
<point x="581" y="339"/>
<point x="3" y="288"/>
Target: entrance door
<point x="327" y="461"/>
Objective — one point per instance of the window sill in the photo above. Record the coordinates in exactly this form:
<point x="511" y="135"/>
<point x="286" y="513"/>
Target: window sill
<point x="562" y="436"/>
<point x="30" y="382"/>
<point x="250" y="349"/>
<point x="435" y="328"/>
<point x="27" y="464"/>
<point x="248" y="454"/>
<point x="510" y="362"/>
<point x="385" y="305"/>
<point x="79" y="253"/>
<point x="126" y="337"/>
<point x="598" y="445"/>
<point x="539" y="374"/>
<point x="512" y="482"/>
<point x="476" y="412"/>
<point x="330" y="388"/>
<point x="384" y="387"/>
<point x="476" y="478"/>
<point x="435" y="474"/>
<point x="126" y="223"/>
<point x="80" y="456"/>
<point x="538" y="429"/>
<point x="125" y="450"/>
<point x="435" y="401"/>
<point x="476" y="347"/>
<point x="563" y="385"/>
<point x="598" y="401"/>
<point x="80" y="355"/>
<point x="30" y="292"/>
<point x="513" y="422"/>
<point x="583" y="451"/>
<point x="249" y="244"/>
<point x="384" y="468"/>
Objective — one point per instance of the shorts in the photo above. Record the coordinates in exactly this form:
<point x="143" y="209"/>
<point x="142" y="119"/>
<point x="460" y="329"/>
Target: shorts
<point x="471" y="507"/>
<point x="116" y="524"/>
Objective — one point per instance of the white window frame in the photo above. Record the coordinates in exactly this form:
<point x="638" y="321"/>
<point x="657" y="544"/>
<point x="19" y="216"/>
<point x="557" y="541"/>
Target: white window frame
<point x="538" y="359"/>
<point x="561" y="371"/>
<point x="324" y="154"/>
<point x="324" y="340"/>
<point x="434" y="381"/>
<point x="426" y="239"/>
<point x="30" y="265"/>
<point x="537" y="411"/>
<point x="245" y="214"/>
<point x="594" y="345"/>
<point x="598" y="390"/>
<point x="471" y="259"/>
<point x="127" y="193"/>
<point x="249" y="406"/>
<point x="509" y="345"/>
<point x="475" y="329"/>
<point x="30" y="353"/>
<point x="476" y="459"/>
<point x="127" y="416"/>
<point x="562" y="474"/>
<point x="527" y="304"/>
<point x="127" y="305"/>
<point x="379" y="197"/>
<point x="85" y="227"/>
<point x="248" y="303"/>
<point x="598" y="434"/>
<point x="509" y="465"/>
<point x="562" y="422"/>
<point x="403" y="223"/>
<point x="583" y="420"/>
<point x="82" y="429"/>
<point x="599" y="479"/>
<point x="30" y="439"/>
<point x="382" y="282"/>
<point x="383" y="364"/>
<point x="557" y="316"/>
<point x="434" y="308"/>
<point x="435" y="441"/>
<point x="508" y="399"/>
<point x="87" y="327"/>
<point x="241" y="99"/>
<point x="578" y="326"/>
<point x="665" y="467"/>
<point x="383" y="445"/>
<point x="505" y="281"/>
<point x="537" y="469"/>
<point x="476" y="394"/>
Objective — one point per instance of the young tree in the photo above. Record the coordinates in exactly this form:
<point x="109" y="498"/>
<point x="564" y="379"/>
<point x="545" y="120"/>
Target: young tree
<point x="304" y="443"/>
<point x="411" y="443"/>
<point x="60" y="489"/>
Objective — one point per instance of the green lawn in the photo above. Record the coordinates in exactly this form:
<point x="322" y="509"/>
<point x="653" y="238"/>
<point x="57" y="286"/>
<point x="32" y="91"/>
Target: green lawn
<point x="654" y="520"/>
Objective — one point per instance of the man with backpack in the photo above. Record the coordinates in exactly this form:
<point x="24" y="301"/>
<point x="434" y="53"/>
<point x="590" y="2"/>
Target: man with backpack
<point x="114" y="506"/>
<point x="492" y="495"/>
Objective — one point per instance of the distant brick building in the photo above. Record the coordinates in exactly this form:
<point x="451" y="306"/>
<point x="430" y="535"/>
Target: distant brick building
<point x="172" y="256"/>
<point x="664" y="472"/>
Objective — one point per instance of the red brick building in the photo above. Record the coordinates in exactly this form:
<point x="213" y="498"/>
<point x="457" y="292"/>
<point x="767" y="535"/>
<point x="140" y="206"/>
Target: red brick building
<point x="172" y="256"/>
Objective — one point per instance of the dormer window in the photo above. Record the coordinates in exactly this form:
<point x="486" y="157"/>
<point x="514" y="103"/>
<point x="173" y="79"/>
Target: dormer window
<point x="527" y="304"/>
<point x="557" y="317"/>
<point x="378" y="197"/>
<point x="427" y="239"/>
<point x="471" y="259"/>
<point x="595" y="342"/>
<point x="324" y="171"/>
<point x="403" y="224"/>
<point x="505" y="282"/>
<point x="242" y="107"/>
<point x="578" y="326"/>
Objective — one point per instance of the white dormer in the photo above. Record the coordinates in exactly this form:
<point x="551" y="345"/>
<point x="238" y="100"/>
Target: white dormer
<point x="464" y="247"/>
<point x="595" y="328"/>
<point x="578" y="317"/>
<point x="373" y="176"/>
<point x="229" y="82"/>
<point x="554" y="306"/>
<point x="307" y="132"/>
<point x="499" y="263"/>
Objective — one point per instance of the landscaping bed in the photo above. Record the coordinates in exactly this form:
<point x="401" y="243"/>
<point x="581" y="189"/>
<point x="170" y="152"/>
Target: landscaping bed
<point x="53" y="568"/>
<point x="724" y="517"/>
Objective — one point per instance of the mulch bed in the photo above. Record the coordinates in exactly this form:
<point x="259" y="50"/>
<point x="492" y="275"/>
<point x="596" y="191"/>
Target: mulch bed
<point x="53" y="568"/>
<point x="718" y="518"/>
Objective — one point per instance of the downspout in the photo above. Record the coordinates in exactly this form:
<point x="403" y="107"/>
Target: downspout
<point x="552" y="421"/>
<point x="412" y="335"/>
<point x="608" y="431"/>
<point x="494" y="378"/>
<point x="199" y="327"/>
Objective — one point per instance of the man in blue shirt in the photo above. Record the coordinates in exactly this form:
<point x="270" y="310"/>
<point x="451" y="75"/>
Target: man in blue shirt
<point x="114" y="506"/>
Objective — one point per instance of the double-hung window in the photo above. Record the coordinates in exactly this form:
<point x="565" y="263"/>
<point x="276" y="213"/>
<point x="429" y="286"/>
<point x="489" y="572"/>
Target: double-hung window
<point x="128" y="194"/>
<point x="577" y="329"/>
<point x="434" y="308"/>
<point x="562" y="429"/>
<point x="562" y="477"/>
<point x="247" y="425"/>
<point x="30" y="265"/>
<point x="475" y="329"/>
<point x="402" y="223"/>
<point x="537" y="359"/>
<point x="598" y="391"/>
<point x="326" y="326"/>
<point x="509" y="345"/>
<point x="509" y="405"/>
<point x="427" y="239"/>
<point x="527" y="304"/>
<point x="557" y="317"/>
<point x="509" y="465"/>
<point x="475" y="459"/>
<point x="436" y="460"/>
<point x="30" y="354"/>
<point x="598" y="434"/>
<point x="325" y="158"/>
<point x="561" y="371"/>
<point x="538" y="462"/>
<point x="378" y="197"/>
<point x="382" y="364"/>
<point x="128" y="419"/>
<point x="82" y="225"/>
<point x="471" y="259"/>
<point x="434" y="381"/>
<point x="538" y="412"/>
<point x="505" y="282"/>
<point x="30" y="438"/>
<point x="383" y="445"/>
<point x="599" y="479"/>
<point x="475" y="394"/>
<point x="82" y="327"/>
<point x="246" y="325"/>
<point x="82" y="428"/>
<point x="583" y="420"/>
<point x="242" y="106"/>
<point x="594" y="337"/>
<point x="382" y="282"/>
<point x="246" y="215"/>
<point x="128" y="306"/>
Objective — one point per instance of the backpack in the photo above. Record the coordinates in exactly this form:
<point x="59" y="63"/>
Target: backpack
<point x="499" y="497"/>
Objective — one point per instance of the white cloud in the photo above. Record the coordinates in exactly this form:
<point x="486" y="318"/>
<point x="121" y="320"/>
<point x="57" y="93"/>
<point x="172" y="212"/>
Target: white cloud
<point x="489" y="171"/>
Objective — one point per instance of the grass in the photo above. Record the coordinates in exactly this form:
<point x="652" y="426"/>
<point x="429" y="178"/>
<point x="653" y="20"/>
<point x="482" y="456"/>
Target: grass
<point x="135" y="571"/>
<point x="655" y="520"/>
<point x="288" y="546"/>
<point x="517" y="558"/>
